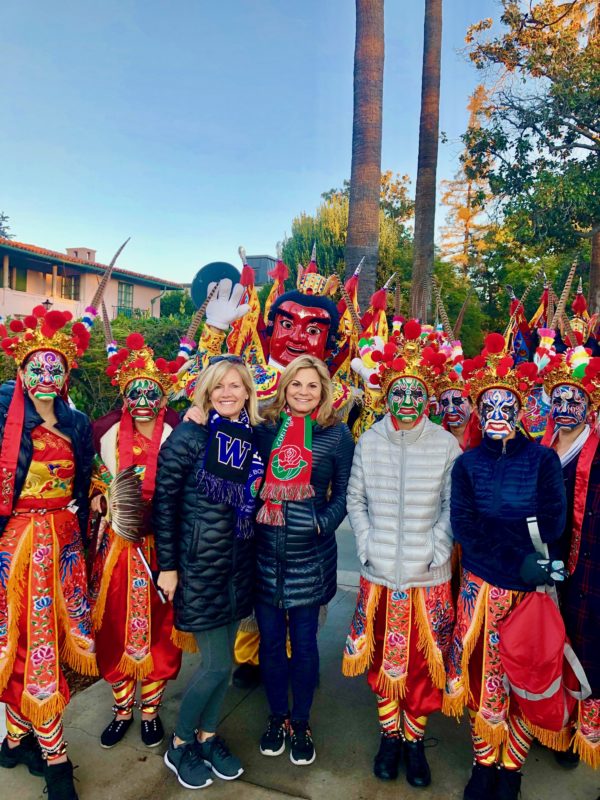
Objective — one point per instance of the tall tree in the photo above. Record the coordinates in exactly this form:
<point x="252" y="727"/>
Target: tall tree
<point x="420" y="294"/>
<point x="4" y="226"/>
<point x="365" y="176"/>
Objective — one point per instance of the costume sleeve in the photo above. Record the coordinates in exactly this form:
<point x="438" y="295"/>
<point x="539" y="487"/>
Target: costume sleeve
<point x="464" y="517"/>
<point x="356" y="502"/>
<point x="85" y="458"/>
<point x="442" y="529"/>
<point x="175" y="461"/>
<point x="332" y="516"/>
<point x="552" y="499"/>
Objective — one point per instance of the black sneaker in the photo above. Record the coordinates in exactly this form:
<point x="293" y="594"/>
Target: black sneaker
<point x="508" y="786"/>
<point x="568" y="759"/>
<point x="115" y="731"/>
<point x="385" y="765"/>
<point x="272" y="742"/>
<point x="482" y="783"/>
<point x="246" y="676"/>
<point x="59" y="781"/>
<point x="28" y="752"/>
<point x="152" y="732"/>
<point x="187" y="763"/>
<point x="220" y="759"/>
<point x="303" y="750"/>
<point x="417" y="769"/>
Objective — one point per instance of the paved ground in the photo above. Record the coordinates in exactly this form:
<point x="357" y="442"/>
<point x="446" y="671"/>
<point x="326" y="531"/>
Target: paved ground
<point x="345" y="731"/>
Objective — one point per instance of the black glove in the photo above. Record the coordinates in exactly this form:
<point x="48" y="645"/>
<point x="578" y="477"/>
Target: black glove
<point x="536" y="569"/>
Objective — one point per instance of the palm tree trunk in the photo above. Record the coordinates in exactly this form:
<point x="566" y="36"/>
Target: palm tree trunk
<point x="420" y="295"/>
<point x="594" y="291"/>
<point x="365" y="175"/>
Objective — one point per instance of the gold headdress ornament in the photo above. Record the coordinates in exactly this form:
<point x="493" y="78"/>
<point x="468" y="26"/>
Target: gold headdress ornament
<point x="494" y="368"/>
<point x="309" y="281"/>
<point x="47" y="330"/>
<point x="413" y="353"/>
<point x="136" y="361"/>
<point x="574" y="367"/>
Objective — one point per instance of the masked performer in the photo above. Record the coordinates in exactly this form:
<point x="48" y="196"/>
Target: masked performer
<point x="398" y="506"/>
<point x="573" y="382"/>
<point x="495" y="488"/>
<point x="134" y="629"/>
<point x="45" y="468"/>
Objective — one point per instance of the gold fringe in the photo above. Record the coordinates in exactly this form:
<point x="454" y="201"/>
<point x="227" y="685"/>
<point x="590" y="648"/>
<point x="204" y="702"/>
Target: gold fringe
<point x="80" y="660"/>
<point x="14" y="603"/>
<point x="588" y="752"/>
<point x="492" y="734"/>
<point x="356" y="663"/>
<point x="184" y="641"/>
<point x="555" y="740"/>
<point x="136" y="669"/>
<point x="426" y="643"/>
<point x="40" y="712"/>
<point x="391" y="688"/>
<point x="116" y="548"/>
<point x="249" y="625"/>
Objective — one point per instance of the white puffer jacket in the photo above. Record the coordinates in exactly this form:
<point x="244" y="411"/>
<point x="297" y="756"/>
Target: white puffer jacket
<point x="399" y="503"/>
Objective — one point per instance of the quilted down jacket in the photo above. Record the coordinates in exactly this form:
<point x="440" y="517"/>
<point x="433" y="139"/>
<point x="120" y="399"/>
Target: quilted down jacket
<point x="399" y="503"/>
<point x="73" y="424"/>
<point x="296" y="563"/>
<point x="495" y="487"/>
<point x="196" y="537"/>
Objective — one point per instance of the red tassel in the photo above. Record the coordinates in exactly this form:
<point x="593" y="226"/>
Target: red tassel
<point x="579" y="305"/>
<point x="379" y="300"/>
<point x="247" y="277"/>
<point x="280" y="272"/>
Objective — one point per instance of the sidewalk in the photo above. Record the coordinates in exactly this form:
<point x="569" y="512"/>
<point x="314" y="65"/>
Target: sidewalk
<point x="345" y="730"/>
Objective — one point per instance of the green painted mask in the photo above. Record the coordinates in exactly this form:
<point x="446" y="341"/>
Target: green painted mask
<point x="407" y="400"/>
<point x="44" y="374"/>
<point x="142" y="399"/>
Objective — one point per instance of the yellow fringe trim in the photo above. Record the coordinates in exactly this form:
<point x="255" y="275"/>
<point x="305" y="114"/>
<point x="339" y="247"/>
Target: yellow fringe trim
<point x="555" y="740"/>
<point x="495" y="735"/>
<point x="116" y="548"/>
<point x="391" y="688"/>
<point x="454" y="704"/>
<point x="77" y="658"/>
<point x="426" y="643"/>
<point x="136" y="669"/>
<point x="356" y="663"/>
<point x="589" y="752"/>
<point x="184" y="641"/>
<point x="14" y="601"/>
<point x="38" y="712"/>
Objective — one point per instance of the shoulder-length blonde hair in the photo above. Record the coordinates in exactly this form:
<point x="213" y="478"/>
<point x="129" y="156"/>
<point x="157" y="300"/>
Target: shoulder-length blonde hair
<point x="326" y="415"/>
<point x="210" y="378"/>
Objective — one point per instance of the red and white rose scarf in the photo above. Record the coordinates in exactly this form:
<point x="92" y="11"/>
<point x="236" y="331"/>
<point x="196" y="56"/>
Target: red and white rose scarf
<point x="289" y="469"/>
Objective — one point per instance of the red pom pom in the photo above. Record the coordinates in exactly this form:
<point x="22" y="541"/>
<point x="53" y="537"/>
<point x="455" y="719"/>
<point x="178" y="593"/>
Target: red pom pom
<point x="28" y="336"/>
<point x="47" y="331"/>
<point x="138" y="363"/>
<point x="123" y="354"/>
<point x="412" y="329"/>
<point x="16" y="326"/>
<point x="502" y="370"/>
<point x="135" y="341"/>
<point x="494" y="343"/>
<point x="375" y="379"/>
<point x="110" y="371"/>
<point x="39" y="312"/>
<point x="161" y="364"/>
<point x="523" y="386"/>
<point x="30" y="321"/>
<point x="55" y="319"/>
<point x="180" y="361"/>
<point x="389" y="349"/>
<point x="2" y="330"/>
<point x="478" y="362"/>
<point x="67" y="315"/>
<point x="398" y="364"/>
<point x="79" y="328"/>
<point x="453" y="375"/>
<point x="376" y="355"/>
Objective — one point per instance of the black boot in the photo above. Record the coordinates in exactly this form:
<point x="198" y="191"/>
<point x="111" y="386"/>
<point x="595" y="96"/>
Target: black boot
<point x="28" y="752"/>
<point x="509" y="784"/>
<point x="59" y="781"/>
<point x="481" y="783"/>
<point x="417" y="769"/>
<point x="568" y="759"/>
<point x="247" y="676"/>
<point x="385" y="765"/>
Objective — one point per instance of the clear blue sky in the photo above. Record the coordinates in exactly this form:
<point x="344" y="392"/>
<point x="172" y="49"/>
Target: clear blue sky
<point x="194" y="126"/>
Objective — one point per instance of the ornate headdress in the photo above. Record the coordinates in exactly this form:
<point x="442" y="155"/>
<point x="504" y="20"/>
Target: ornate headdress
<point x="309" y="281"/>
<point x="494" y="368"/>
<point x="136" y="361"/>
<point x="46" y="330"/>
<point x="412" y="354"/>
<point x="452" y="374"/>
<point x="574" y="367"/>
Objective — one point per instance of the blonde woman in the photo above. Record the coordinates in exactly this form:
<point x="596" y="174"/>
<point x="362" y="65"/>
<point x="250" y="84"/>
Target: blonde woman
<point x="208" y="477"/>
<point x="309" y="455"/>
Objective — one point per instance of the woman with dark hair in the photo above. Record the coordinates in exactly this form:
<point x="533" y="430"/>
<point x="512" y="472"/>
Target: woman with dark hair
<point x="309" y="455"/>
<point x="208" y="477"/>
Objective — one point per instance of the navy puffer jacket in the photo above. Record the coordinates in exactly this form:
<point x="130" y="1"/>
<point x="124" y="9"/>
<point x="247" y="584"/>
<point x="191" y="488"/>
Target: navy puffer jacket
<point x="297" y="563"/>
<point x="495" y="487"/>
<point x="195" y="536"/>
<point x="71" y="423"/>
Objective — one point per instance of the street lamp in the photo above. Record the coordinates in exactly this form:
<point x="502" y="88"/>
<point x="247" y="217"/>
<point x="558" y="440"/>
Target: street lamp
<point x="47" y="304"/>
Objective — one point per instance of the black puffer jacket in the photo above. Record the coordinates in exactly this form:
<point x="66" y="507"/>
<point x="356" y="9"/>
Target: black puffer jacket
<point x="195" y="536"/>
<point x="71" y="423"/>
<point x="297" y="564"/>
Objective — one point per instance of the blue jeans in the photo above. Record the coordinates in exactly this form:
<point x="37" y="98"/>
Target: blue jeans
<point x="302" y="670"/>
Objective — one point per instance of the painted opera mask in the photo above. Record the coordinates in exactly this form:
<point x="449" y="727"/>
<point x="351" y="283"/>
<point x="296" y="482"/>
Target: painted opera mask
<point x="407" y="400"/>
<point x="569" y="406"/>
<point x="143" y="399"/>
<point x="499" y="412"/>
<point x="455" y="408"/>
<point x="44" y="374"/>
<point x="299" y="330"/>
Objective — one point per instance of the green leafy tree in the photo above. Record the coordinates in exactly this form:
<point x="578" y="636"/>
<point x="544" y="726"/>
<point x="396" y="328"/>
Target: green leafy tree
<point x="177" y="303"/>
<point x="4" y="226"/>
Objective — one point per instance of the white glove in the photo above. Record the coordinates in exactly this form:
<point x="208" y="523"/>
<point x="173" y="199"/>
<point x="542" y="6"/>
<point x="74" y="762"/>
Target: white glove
<point x="225" y="307"/>
<point x="364" y="373"/>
